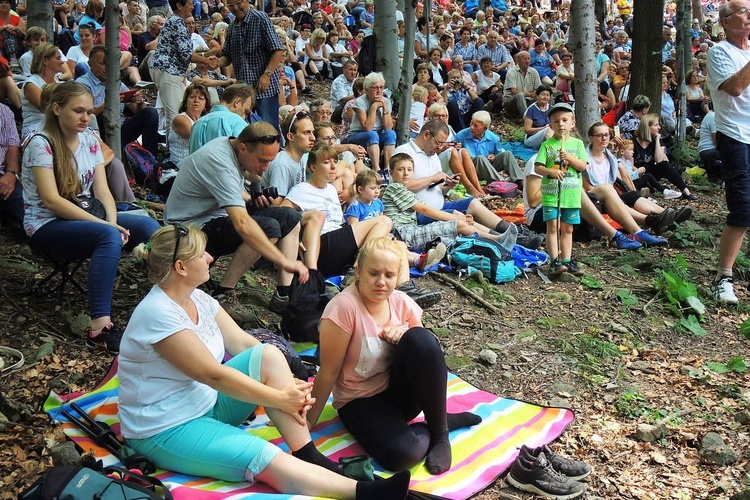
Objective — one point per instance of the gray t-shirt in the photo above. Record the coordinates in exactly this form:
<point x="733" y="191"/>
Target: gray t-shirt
<point x="209" y="180"/>
<point x="363" y="103"/>
<point x="284" y="172"/>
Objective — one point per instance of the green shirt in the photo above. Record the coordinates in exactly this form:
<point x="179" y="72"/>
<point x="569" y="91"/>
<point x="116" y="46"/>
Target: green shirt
<point x="397" y="204"/>
<point x="549" y="156"/>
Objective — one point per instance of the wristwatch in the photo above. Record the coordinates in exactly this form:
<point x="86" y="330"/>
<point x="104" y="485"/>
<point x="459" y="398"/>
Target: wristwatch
<point x="14" y="174"/>
<point x="269" y="74"/>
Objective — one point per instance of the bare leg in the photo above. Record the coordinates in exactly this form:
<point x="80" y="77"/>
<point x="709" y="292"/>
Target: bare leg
<point x="566" y="240"/>
<point x="471" y="171"/>
<point x="616" y="208"/>
<point x="289" y="246"/>
<point x="387" y="153"/>
<point x="730" y="246"/>
<point x="371" y="228"/>
<point x="403" y="272"/>
<point x="483" y="215"/>
<point x="591" y="215"/>
<point x="312" y="223"/>
<point x="374" y="151"/>
<point x="457" y="167"/>
<point x="242" y="260"/>
<point x="551" y="244"/>
<point x="646" y="206"/>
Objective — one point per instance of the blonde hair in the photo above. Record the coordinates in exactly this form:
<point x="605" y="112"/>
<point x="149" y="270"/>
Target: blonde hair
<point x="382" y="243"/>
<point x="365" y="177"/>
<point x="418" y="93"/>
<point x="41" y="54"/>
<point x="66" y="167"/>
<point x="644" y="127"/>
<point x="159" y="251"/>
<point x="318" y="34"/>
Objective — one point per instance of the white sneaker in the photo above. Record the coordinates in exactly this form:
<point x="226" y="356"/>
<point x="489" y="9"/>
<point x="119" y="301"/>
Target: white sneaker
<point x="724" y="291"/>
<point x="671" y="194"/>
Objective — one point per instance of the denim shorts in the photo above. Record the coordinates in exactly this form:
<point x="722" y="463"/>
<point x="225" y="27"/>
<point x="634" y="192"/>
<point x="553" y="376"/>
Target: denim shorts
<point x="570" y="216"/>
<point x="461" y="205"/>
<point x="735" y="156"/>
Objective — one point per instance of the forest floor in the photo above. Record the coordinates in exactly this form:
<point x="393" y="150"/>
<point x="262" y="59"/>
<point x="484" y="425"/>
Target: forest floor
<point x="618" y="346"/>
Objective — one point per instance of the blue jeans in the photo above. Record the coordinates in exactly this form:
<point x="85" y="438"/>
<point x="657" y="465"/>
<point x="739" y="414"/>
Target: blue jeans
<point x="101" y="243"/>
<point x="13" y="206"/>
<point x="81" y="69"/>
<point x="144" y="123"/>
<point x="268" y="109"/>
<point x="461" y="205"/>
<point x="364" y="138"/>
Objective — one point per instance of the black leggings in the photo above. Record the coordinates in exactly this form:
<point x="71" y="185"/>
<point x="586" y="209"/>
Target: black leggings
<point x="665" y="169"/>
<point x="649" y="181"/>
<point x="418" y="382"/>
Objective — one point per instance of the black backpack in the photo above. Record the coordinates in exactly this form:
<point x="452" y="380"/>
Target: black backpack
<point x="367" y="56"/>
<point x="301" y="320"/>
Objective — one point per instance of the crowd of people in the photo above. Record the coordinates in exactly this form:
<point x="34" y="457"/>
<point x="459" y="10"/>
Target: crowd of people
<point x="319" y="183"/>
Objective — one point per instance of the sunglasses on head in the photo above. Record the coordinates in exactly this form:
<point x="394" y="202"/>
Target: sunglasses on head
<point x="181" y="231"/>
<point x="299" y="115"/>
<point x="265" y="139"/>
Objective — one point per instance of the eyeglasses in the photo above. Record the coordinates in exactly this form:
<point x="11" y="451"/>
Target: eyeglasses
<point x="181" y="231"/>
<point x="265" y="139"/>
<point x="324" y="112"/>
<point x="328" y="138"/>
<point x="440" y="115"/>
<point x="298" y="116"/>
<point x="741" y="11"/>
<point x="602" y="136"/>
<point x="439" y="143"/>
<point x="378" y="87"/>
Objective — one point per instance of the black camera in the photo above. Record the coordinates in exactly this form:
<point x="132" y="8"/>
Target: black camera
<point x="256" y="189"/>
<point x="456" y="83"/>
<point x="271" y="192"/>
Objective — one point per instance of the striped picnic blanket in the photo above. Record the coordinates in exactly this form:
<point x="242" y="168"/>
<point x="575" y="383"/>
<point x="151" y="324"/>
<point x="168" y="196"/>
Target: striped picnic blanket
<point x="480" y="453"/>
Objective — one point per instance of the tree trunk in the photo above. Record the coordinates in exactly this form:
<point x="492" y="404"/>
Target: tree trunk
<point x="698" y="11"/>
<point x="600" y="13"/>
<point x="428" y="17"/>
<point x="407" y="75"/>
<point x="684" y="63"/>
<point x="581" y="44"/>
<point x="111" y="133"/>
<point x="647" y="44"/>
<point x="386" y="42"/>
<point x="40" y="14"/>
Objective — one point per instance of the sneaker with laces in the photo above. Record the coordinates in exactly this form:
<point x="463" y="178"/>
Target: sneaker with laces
<point x="556" y="268"/>
<point x="528" y="238"/>
<point x="278" y="304"/>
<point x="432" y="257"/>
<point x="683" y="213"/>
<point x="671" y="194"/>
<point x="724" y="291"/>
<point x="574" y="469"/>
<point x="660" y="222"/>
<point x="649" y="240"/>
<point x="573" y="268"/>
<point x="536" y="475"/>
<point x="622" y="242"/>
<point x="423" y="298"/>
<point x="109" y="338"/>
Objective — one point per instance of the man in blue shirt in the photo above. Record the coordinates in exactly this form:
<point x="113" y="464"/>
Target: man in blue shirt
<point x="485" y="150"/>
<point x="226" y="119"/>
<point x="144" y="121"/>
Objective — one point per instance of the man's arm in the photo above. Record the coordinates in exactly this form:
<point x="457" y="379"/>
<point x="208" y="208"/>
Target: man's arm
<point x="737" y="83"/>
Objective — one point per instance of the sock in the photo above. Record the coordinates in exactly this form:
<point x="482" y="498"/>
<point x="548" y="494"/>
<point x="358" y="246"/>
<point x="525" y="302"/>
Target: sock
<point x="461" y="420"/>
<point x="416" y="262"/>
<point x="502" y="226"/>
<point x="395" y="487"/>
<point x="310" y="454"/>
<point x="283" y="291"/>
<point x="724" y="272"/>
<point x="508" y="239"/>
<point x="494" y="233"/>
<point x="439" y="456"/>
<point x="565" y="261"/>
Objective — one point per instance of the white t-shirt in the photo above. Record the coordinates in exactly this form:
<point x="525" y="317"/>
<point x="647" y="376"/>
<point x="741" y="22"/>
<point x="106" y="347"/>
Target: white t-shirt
<point x="424" y="166"/>
<point x="154" y="395"/>
<point x="732" y="113"/>
<point x="308" y="197"/>
<point x="76" y="55"/>
<point x="528" y="211"/>
<point x="708" y="127"/>
<point x="485" y="82"/>
<point x="199" y="43"/>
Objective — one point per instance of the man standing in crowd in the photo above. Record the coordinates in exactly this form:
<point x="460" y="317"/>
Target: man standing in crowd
<point x="729" y="82"/>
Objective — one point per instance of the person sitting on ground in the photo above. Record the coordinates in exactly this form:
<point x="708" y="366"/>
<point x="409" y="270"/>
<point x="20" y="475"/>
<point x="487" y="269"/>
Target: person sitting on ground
<point x="486" y="151"/>
<point x="629" y="121"/>
<point x="405" y="376"/>
<point x="349" y="162"/>
<point x="521" y="83"/>
<point x="147" y="42"/>
<point x="542" y="62"/>
<point x="462" y="101"/>
<point x="46" y="63"/>
<point x="12" y="32"/>
<point x="316" y="55"/>
<point x="36" y="36"/>
<point x="93" y="14"/>
<point x="489" y="85"/>
<point x="456" y="159"/>
<point x="338" y="243"/>
<point x="638" y="179"/>
<point x="128" y="74"/>
<point x="535" y="119"/>
<point x="342" y="89"/>
<point x="287" y="86"/>
<point x="210" y="193"/>
<point x="11" y="192"/>
<point x="143" y="120"/>
<point x="214" y="81"/>
<point x="367" y="204"/>
<point x="226" y="119"/>
<point x="697" y="101"/>
<point x="195" y="103"/>
<point x="649" y="153"/>
<point x="437" y="68"/>
<point x="707" y="151"/>
<point x="289" y="167"/>
<point x="78" y="55"/>
<point x="63" y="172"/>
<point x="175" y="345"/>
<point x="372" y="123"/>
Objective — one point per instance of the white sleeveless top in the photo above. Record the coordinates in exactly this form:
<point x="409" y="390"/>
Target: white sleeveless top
<point x="179" y="147"/>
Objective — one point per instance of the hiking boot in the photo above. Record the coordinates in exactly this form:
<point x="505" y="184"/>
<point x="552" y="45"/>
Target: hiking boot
<point x="660" y="222"/>
<point x="528" y="238"/>
<point x="489" y="106"/>
<point x="648" y="240"/>
<point x="574" y="469"/>
<point x="278" y="304"/>
<point x="573" y="268"/>
<point x="423" y="298"/>
<point x="622" y="242"/>
<point x="556" y="268"/>
<point x="109" y="338"/>
<point x="536" y="475"/>
<point x="432" y="257"/>
<point x="683" y="213"/>
<point x="724" y="291"/>
<point x="670" y="194"/>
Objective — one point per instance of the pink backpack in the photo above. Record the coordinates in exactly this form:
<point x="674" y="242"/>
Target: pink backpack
<point x="502" y="188"/>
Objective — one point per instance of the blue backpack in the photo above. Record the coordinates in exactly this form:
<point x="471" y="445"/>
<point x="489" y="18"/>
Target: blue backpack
<point x="486" y="255"/>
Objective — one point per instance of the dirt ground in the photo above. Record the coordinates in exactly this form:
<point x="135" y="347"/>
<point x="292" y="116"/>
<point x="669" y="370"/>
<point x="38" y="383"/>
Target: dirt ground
<point x="610" y="346"/>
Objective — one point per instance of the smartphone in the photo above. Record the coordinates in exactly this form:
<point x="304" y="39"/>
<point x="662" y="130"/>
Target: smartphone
<point x="436" y="183"/>
<point x="617" y="131"/>
<point x="127" y="95"/>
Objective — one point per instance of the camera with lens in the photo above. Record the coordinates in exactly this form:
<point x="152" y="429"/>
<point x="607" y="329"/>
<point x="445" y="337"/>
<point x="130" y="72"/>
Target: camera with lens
<point x="256" y="190"/>
<point x="456" y="83"/>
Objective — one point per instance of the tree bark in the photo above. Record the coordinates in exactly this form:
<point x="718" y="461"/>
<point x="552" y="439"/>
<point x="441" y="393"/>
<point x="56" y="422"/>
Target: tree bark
<point x="386" y="42"/>
<point x="647" y="44"/>
<point x="698" y="11"/>
<point x="684" y="63"/>
<point x="600" y="13"/>
<point x="40" y="13"/>
<point x="582" y="42"/>
<point x="111" y="133"/>
<point x="407" y="75"/>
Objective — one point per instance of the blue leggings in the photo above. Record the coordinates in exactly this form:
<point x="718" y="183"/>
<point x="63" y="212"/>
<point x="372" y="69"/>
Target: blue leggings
<point x="213" y="445"/>
<point x="102" y="243"/>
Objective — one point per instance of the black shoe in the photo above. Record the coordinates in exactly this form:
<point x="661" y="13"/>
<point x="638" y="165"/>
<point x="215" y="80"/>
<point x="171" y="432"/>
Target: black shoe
<point x="109" y="338"/>
<point x="573" y="268"/>
<point x="307" y="91"/>
<point x="683" y="213"/>
<point x="536" y="475"/>
<point x="574" y="469"/>
<point x="423" y="298"/>
<point x="661" y="222"/>
<point x="528" y="238"/>
<point x="690" y="197"/>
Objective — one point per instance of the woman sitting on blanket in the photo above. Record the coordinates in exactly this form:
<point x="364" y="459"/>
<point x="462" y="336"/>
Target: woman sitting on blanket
<point x="385" y="368"/>
<point x="181" y="407"/>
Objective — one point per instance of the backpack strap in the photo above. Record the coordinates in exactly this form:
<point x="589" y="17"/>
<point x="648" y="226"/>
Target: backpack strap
<point x="129" y="475"/>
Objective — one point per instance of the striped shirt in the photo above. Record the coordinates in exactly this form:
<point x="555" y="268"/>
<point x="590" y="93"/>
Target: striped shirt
<point x="398" y="202"/>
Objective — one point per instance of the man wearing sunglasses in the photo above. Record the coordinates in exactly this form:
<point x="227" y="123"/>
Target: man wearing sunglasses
<point x="210" y="193"/>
